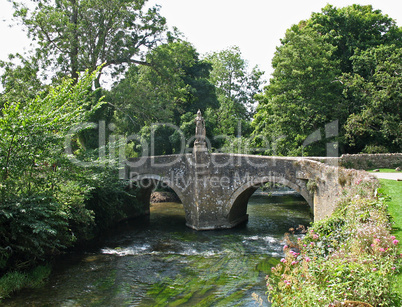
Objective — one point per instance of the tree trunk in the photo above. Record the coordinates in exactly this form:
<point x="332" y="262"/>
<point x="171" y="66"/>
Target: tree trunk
<point x="74" y="42"/>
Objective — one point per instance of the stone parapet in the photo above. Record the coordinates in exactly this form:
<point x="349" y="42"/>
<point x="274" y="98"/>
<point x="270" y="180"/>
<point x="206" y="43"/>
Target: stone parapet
<point x="371" y="161"/>
<point x="363" y="161"/>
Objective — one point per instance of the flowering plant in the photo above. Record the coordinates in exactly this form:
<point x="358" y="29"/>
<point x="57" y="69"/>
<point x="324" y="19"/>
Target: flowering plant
<point x="350" y="256"/>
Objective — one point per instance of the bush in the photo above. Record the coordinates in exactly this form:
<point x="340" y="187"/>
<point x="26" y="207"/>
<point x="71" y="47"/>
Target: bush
<point x="14" y="281"/>
<point x="350" y="256"/>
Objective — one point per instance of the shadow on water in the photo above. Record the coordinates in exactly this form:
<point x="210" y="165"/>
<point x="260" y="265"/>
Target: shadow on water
<point x="160" y="262"/>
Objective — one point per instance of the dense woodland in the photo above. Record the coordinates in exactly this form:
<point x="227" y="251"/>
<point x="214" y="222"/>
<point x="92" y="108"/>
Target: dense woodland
<point x="343" y="66"/>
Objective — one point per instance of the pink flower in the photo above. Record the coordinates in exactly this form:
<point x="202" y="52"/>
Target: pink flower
<point x="395" y="242"/>
<point x="298" y="239"/>
<point x="374" y="269"/>
<point x="393" y="237"/>
<point x="382" y="250"/>
<point x="294" y="262"/>
<point x="283" y="260"/>
<point x="372" y="245"/>
<point x="304" y="245"/>
<point x="307" y="259"/>
<point x="315" y="236"/>
<point x="311" y="243"/>
<point x="393" y="268"/>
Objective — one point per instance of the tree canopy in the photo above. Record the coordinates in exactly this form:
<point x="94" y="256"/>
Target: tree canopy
<point x="75" y="35"/>
<point x="329" y="68"/>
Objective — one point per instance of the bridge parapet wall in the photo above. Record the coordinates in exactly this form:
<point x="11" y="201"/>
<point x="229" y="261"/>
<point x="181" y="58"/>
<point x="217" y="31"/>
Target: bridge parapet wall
<point x="364" y="161"/>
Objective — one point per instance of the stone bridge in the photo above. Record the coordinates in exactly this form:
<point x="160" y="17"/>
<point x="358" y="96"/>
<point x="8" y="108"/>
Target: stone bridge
<point x="215" y="187"/>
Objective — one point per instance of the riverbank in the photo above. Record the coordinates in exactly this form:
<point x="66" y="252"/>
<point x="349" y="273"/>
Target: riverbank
<point x="350" y="256"/>
<point x="15" y="280"/>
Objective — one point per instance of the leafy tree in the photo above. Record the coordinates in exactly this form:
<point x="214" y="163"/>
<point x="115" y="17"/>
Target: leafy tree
<point x="75" y="35"/>
<point x="352" y="28"/>
<point x="176" y="83"/>
<point x="303" y="94"/>
<point x="375" y="92"/>
<point x="38" y="198"/>
<point x="318" y="61"/>
<point x="235" y="88"/>
<point x="20" y="82"/>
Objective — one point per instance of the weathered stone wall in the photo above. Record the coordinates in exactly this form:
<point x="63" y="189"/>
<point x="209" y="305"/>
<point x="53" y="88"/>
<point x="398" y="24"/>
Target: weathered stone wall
<point x="364" y="161"/>
<point x="371" y="161"/>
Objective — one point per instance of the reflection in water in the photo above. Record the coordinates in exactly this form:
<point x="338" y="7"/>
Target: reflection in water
<point x="161" y="262"/>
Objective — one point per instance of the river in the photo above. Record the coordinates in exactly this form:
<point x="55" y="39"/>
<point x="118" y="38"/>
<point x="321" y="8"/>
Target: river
<point x="161" y="262"/>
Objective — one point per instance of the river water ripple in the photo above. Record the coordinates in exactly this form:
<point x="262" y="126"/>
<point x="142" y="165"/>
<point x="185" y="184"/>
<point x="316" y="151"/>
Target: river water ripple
<point x="161" y="262"/>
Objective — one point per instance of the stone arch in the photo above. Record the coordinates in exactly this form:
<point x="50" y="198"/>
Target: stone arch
<point x="238" y="201"/>
<point x="146" y="189"/>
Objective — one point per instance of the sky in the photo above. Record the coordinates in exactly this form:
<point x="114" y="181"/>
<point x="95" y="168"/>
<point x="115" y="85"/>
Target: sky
<point x="255" y="26"/>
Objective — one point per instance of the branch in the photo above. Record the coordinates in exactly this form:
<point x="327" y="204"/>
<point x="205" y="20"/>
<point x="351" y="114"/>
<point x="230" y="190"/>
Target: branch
<point x="122" y="61"/>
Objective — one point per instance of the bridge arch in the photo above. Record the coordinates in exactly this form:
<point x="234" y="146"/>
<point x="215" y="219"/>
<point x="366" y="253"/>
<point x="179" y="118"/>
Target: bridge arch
<point x="239" y="199"/>
<point x="146" y="184"/>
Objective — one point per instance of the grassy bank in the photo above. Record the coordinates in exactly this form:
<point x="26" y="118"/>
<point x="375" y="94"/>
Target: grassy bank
<point x="15" y="280"/>
<point x="351" y="256"/>
<point x="392" y="190"/>
<point x="385" y="170"/>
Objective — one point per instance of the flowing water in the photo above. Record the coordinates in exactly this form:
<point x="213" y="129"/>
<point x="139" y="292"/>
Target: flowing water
<point x="161" y="262"/>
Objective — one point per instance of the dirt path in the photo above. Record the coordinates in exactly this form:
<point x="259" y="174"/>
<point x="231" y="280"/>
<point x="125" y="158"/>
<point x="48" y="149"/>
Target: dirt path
<point x="392" y="176"/>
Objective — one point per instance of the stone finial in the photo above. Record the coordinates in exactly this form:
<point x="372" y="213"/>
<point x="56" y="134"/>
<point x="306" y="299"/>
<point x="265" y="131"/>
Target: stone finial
<point x="199" y="129"/>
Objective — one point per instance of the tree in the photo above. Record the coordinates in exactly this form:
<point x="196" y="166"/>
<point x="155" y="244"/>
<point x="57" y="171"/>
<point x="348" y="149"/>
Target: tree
<point x="39" y="201"/>
<point x="352" y="28"/>
<point x="303" y="94"/>
<point x="176" y="83"/>
<point x="20" y="82"/>
<point x="75" y="35"/>
<point x="235" y="89"/>
<point x="375" y="91"/>
<point x="315" y="79"/>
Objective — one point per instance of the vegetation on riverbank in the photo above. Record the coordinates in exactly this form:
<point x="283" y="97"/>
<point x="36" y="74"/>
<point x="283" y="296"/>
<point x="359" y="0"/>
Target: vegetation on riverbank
<point x="349" y="256"/>
<point x="14" y="281"/>
<point x="48" y="202"/>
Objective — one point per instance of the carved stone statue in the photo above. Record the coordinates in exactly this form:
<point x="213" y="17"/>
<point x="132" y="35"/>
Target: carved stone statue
<point x="199" y="129"/>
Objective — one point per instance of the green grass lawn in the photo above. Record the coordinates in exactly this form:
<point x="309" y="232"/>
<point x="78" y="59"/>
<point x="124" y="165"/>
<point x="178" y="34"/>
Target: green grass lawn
<point x="385" y="170"/>
<point x="393" y="189"/>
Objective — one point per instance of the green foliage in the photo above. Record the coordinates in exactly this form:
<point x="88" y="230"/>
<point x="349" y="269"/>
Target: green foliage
<point x="41" y="194"/>
<point x="77" y="35"/>
<point x="20" y="82"/>
<point x="175" y="84"/>
<point x="352" y="28"/>
<point x="303" y="94"/>
<point x="235" y="89"/>
<point x="111" y="200"/>
<point x="376" y="123"/>
<point x="350" y="256"/>
<point x="341" y="64"/>
<point x="15" y="280"/>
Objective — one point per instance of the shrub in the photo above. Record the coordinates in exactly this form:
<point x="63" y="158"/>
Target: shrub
<point x="350" y="256"/>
